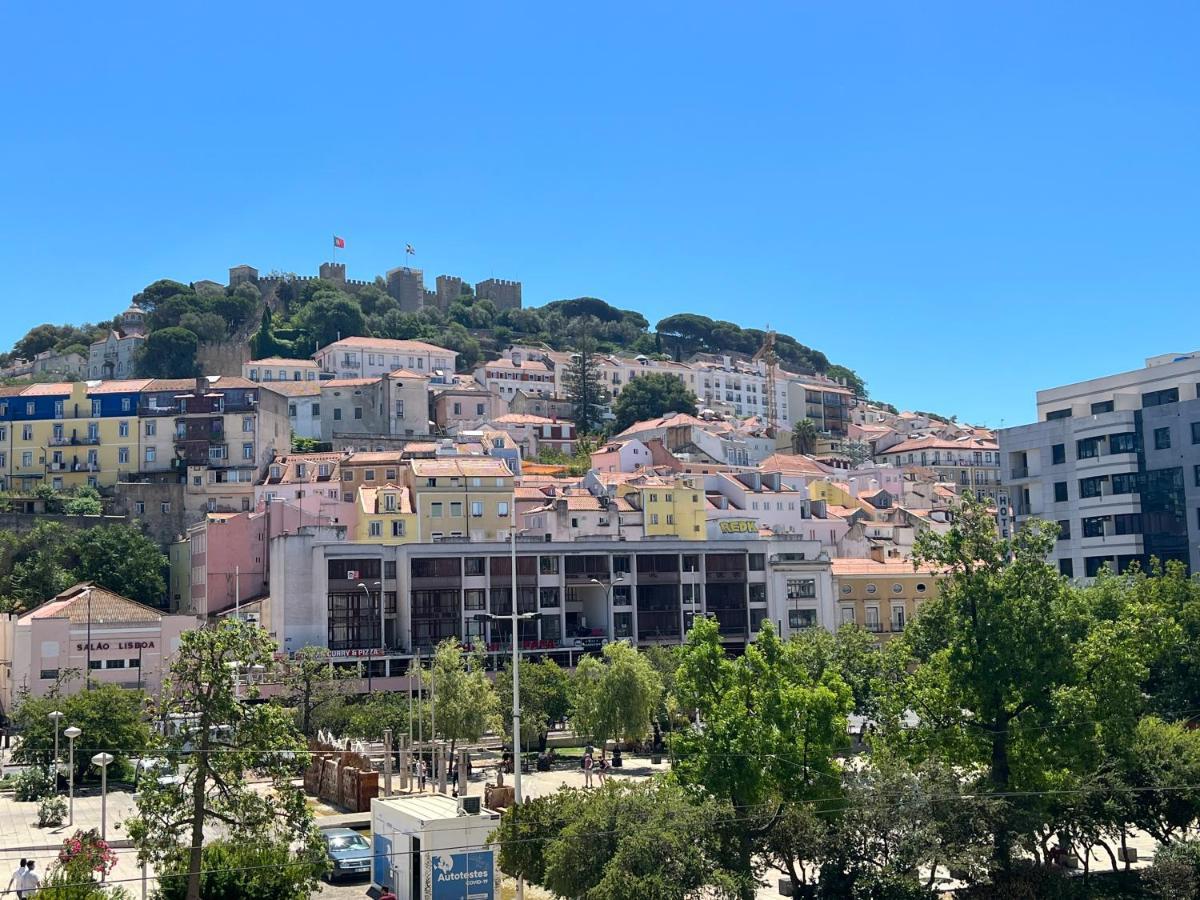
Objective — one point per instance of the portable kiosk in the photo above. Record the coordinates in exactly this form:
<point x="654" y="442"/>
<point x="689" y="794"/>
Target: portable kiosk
<point x="434" y="847"/>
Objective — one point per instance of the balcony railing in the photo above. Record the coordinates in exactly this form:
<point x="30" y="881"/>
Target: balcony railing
<point x="1020" y="471"/>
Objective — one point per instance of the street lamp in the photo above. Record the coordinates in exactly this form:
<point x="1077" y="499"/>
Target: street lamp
<point x="102" y="760"/>
<point x="382" y="645"/>
<point x="71" y="732"/>
<point x="56" y="717"/>
<point x="608" y="587"/>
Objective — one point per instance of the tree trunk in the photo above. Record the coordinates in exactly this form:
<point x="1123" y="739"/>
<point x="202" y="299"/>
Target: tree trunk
<point x="1125" y="847"/>
<point x="1002" y="843"/>
<point x="196" y="850"/>
<point x="1111" y="856"/>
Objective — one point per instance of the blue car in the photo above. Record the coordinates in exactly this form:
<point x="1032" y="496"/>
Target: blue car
<point x="349" y="853"/>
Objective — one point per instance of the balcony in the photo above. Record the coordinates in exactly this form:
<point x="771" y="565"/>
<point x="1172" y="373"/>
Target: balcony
<point x="1020" y="472"/>
<point x="150" y="411"/>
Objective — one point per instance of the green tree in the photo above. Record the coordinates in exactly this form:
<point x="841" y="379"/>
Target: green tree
<point x="168" y="353"/>
<point x="110" y="718"/>
<point x="312" y="683"/>
<point x="767" y="735"/>
<point x="644" y="841"/>
<point x="850" y="652"/>
<point x="331" y="315"/>
<point x="615" y="696"/>
<point x="222" y="737"/>
<point x="545" y="698"/>
<point x="804" y="437"/>
<point x="465" y="698"/>
<point x="994" y="655"/>
<point x="651" y="396"/>
<point x="85" y="501"/>
<point x="586" y="391"/>
<point x="265" y="869"/>
<point x="122" y="559"/>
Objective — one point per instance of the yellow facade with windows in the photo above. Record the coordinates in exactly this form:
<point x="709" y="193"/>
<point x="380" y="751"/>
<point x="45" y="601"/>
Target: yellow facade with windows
<point x="882" y="597"/>
<point x="466" y="497"/>
<point x="674" y="508"/>
<point x="385" y="515"/>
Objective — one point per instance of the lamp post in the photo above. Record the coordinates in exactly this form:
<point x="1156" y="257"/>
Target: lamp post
<point x="367" y="591"/>
<point x="102" y="760"/>
<point x="71" y="732"/>
<point x="608" y="588"/>
<point x="56" y="717"/>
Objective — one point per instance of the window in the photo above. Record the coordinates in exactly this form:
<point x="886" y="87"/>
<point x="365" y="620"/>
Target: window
<point x="292" y="410"/>
<point x="27" y="432"/>
<point x="1196" y="432"/>
<point x="653" y="518"/>
<point x="801" y="588"/>
<point x="1058" y="414"/>
<point x="1093" y="564"/>
<point x="96" y="407"/>
<point x="871" y="588"/>
<point x="151" y="429"/>
<point x="1066" y="567"/>
<point x="125" y="406"/>
<point x="369" y="475"/>
<point x="435" y="510"/>
<point x="48" y="674"/>
<point x="30" y="406"/>
<point x="1093" y="527"/>
<point x="1103" y="406"/>
<point x="473" y="565"/>
<point x="139" y="507"/>
<point x="548" y="565"/>
<point x="802" y="618"/>
<point x="1060" y="492"/>
<point x="921" y="587"/>
<point x="1125" y="483"/>
<point x="1196" y="475"/>
<point x="847" y="615"/>
<point x="758" y="593"/>
<point x="757" y="616"/>
<point x="548" y="596"/>
<point x="1058" y="454"/>
<point x="376" y="528"/>
<point x="123" y="429"/>
<point x="1159" y="398"/>
<point x="1127" y="523"/>
<point x="1122" y="443"/>
<point x="1162" y="438"/>
<point x="358" y="412"/>
<point x="247" y="451"/>
<point x="476" y="509"/>
<point x="1091" y="487"/>
<point x="151" y="454"/>
<point x="316" y="409"/>
<point x="337" y="414"/>
<point x="897" y="588"/>
<point x="474" y="598"/>
<point x="122" y="455"/>
<point x="502" y="508"/>
<point x="1064" y="529"/>
<point x="247" y="424"/>
<point x="165" y="507"/>
<point x="27" y="458"/>
<point x="1088" y="448"/>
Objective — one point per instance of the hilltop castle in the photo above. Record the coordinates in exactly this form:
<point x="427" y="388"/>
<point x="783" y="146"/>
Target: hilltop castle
<point x="404" y="284"/>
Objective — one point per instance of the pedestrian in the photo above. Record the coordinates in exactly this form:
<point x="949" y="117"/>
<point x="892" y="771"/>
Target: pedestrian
<point x="422" y="774"/>
<point x="602" y="768"/>
<point x="18" y="876"/>
<point x="588" y="765"/>
<point x="30" y="882"/>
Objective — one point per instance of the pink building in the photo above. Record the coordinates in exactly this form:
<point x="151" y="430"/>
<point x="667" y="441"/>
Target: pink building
<point x="312" y="483"/>
<point x="230" y="559"/>
<point x="87" y="629"/>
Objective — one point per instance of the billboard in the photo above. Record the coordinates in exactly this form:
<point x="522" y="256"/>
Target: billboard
<point x="463" y="876"/>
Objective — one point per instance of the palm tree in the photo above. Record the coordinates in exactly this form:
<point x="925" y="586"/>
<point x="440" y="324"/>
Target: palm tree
<point x="804" y="436"/>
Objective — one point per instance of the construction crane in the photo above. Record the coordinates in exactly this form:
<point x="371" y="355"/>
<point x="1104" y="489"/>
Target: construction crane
<point x="766" y="353"/>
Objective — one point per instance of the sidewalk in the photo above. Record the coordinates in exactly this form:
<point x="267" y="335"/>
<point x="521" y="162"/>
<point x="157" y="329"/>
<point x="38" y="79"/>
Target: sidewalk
<point x="18" y="830"/>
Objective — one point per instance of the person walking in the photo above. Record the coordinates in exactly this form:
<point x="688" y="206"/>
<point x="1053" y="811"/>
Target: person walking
<point x="30" y="882"/>
<point x="588" y="765"/>
<point x="422" y="773"/>
<point x="602" y="768"/>
<point x="18" y="877"/>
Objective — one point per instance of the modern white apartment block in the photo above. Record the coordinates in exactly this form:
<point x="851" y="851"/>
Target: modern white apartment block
<point x="1115" y="461"/>
<point x="369" y="357"/>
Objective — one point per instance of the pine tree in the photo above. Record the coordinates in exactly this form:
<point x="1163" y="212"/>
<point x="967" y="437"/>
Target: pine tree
<point x="587" y="393"/>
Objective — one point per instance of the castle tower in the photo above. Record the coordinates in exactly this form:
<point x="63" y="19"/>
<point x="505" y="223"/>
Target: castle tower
<point x="504" y="294"/>
<point x="449" y="289"/>
<point x="333" y="271"/>
<point x="407" y="287"/>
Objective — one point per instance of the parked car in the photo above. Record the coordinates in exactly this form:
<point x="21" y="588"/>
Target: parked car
<point x="349" y="853"/>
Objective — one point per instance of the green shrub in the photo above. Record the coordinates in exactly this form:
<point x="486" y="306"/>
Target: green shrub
<point x="52" y="812"/>
<point x="34" y="784"/>
<point x="243" y="871"/>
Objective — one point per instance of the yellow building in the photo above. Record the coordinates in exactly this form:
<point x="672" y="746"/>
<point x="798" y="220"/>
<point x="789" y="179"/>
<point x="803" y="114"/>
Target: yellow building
<point x="672" y="505"/>
<point x="881" y="596"/>
<point x="469" y="496"/>
<point x="836" y="493"/>
<point x="385" y="515"/>
<point x="68" y="434"/>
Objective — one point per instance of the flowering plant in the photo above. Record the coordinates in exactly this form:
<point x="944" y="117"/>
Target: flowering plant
<point x="87" y="851"/>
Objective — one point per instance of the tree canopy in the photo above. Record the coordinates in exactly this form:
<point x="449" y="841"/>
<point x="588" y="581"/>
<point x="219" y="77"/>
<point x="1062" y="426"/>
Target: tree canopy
<point x="650" y="396"/>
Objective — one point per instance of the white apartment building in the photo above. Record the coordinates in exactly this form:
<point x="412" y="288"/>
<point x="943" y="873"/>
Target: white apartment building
<point x="1115" y="461"/>
<point x="277" y="368"/>
<point x="368" y="357"/>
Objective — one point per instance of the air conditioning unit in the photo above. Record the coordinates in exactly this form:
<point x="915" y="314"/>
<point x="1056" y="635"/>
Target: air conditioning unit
<point x="469" y="806"/>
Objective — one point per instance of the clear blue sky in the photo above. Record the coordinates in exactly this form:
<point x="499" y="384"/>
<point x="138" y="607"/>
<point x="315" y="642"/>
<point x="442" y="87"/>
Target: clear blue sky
<point x="964" y="202"/>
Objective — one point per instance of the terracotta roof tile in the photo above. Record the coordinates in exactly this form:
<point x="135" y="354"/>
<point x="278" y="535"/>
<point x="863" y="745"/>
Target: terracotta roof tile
<point x="105" y="607"/>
